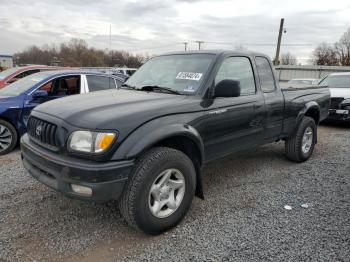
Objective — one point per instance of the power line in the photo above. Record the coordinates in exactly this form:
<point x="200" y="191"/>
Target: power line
<point x="260" y="44"/>
<point x="156" y="47"/>
<point x="200" y="44"/>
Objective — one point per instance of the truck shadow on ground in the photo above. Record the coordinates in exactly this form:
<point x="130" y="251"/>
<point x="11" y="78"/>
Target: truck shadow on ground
<point x="336" y="124"/>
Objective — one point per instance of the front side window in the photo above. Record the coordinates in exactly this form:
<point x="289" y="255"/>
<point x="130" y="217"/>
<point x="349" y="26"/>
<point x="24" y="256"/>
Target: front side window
<point x="63" y="86"/>
<point x="97" y="83"/>
<point x="267" y="82"/>
<point x="239" y="69"/>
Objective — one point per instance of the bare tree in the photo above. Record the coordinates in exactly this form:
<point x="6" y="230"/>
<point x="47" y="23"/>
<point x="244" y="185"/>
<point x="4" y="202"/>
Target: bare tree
<point x="288" y="59"/>
<point x="76" y="52"/>
<point x="325" y="54"/>
<point x="343" y="49"/>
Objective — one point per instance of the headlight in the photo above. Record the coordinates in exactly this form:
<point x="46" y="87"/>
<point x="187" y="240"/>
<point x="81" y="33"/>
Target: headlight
<point x="90" y="142"/>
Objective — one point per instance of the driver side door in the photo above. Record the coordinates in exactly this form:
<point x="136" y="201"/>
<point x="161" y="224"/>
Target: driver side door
<point x="234" y="123"/>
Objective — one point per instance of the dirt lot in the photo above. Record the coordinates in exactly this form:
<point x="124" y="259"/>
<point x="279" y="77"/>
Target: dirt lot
<point x="242" y="219"/>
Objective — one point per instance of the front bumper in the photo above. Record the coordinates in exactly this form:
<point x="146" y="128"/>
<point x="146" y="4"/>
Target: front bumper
<point x="60" y="172"/>
<point x="339" y="115"/>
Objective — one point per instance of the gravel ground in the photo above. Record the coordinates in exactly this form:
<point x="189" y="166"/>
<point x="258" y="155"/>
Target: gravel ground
<point x="242" y="219"/>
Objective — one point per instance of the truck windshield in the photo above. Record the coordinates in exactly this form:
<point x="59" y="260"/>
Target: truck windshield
<point x="336" y="81"/>
<point x="22" y="85"/>
<point x="180" y="73"/>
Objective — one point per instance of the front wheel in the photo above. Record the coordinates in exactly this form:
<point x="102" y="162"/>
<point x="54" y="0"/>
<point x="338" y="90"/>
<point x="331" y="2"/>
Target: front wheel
<point x="160" y="191"/>
<point x="300" y="146"/>
<point x="8" y="137"/>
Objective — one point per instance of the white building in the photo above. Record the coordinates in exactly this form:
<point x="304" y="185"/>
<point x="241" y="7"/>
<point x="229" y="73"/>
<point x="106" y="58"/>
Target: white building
<point x="6" y="61"/>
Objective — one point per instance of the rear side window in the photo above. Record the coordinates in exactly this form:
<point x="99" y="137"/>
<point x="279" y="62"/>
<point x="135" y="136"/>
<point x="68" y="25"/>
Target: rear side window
<point x="239" y="69"/>
<point x="97" y="83"/>
<point x="267" y="81"/>
<point x="27" y="73"/>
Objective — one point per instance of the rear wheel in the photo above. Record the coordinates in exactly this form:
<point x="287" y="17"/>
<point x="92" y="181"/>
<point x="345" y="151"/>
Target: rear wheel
<point x="300" y="146"/>
<point x="8" y="137"/>
<point x="160" y="191"/>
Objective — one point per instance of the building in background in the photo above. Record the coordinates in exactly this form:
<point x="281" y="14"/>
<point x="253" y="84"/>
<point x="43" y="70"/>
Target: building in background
<point x="6" y="61"/>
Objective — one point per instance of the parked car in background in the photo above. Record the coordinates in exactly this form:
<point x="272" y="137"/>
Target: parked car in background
<point x="301" y="82"/>
<point x="18" y="99"/>
<point x="145" y="144"/>
<point x="125" y="71"/>
<point x="339" y="86"/>
<point x="13" y="74"/>
<point x="122" y="76"/>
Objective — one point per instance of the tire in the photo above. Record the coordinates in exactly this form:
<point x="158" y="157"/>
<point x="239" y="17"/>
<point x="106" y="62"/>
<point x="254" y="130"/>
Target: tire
<point x="294" y="144"/>
<point x="135" y="203"/>
<point x="8" y="137"/>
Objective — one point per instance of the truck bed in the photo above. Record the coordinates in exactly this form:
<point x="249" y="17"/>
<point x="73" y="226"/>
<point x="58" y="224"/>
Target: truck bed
<point x="297" y="98"/>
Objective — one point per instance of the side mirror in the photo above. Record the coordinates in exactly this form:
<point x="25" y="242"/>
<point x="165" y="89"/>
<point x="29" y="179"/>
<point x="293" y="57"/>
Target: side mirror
<point x="40" y="94"/>
<point x="228" y="88"/>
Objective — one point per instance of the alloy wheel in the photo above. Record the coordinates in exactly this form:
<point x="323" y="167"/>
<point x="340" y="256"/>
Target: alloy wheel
<point x="5" y="138"/>
<point x="166" y="193"/>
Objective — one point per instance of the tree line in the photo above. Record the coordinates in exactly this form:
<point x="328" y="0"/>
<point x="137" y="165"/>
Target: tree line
<point x="334" y="54"/>
<point x="77" y="53"/>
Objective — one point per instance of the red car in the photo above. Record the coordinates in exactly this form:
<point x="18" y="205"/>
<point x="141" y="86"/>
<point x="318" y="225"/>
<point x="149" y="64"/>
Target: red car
<point x="13" y="74"/>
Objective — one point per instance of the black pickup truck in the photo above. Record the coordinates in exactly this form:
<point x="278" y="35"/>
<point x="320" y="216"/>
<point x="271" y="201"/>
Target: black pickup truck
<point x="146" y="143"/>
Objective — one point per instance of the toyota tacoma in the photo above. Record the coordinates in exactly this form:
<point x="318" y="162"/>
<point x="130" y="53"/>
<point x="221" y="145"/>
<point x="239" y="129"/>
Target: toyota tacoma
<point x="147" y="143"/>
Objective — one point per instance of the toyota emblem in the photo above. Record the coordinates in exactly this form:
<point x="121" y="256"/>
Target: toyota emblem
<point x="38" y="130"/>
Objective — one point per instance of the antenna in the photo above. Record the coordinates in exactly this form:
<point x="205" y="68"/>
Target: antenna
<point x="110" y="42"/>
<point x="110" y="53"/>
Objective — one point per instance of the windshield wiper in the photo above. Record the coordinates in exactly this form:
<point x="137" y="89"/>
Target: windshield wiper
<point x="160" y="88"/>
<point x="128" y="86"/>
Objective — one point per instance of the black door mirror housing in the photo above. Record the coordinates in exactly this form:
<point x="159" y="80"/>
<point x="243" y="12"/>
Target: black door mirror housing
<point x="227" y="88"/>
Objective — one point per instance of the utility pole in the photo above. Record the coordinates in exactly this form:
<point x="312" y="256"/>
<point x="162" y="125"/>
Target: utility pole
<point x="185" y="43"/>
<point x="199" y="44"/>
<point x="276" y="62"/>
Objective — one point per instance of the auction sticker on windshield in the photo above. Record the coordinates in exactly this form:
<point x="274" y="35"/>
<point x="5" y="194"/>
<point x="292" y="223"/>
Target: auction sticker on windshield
<point x="189" y="76"/>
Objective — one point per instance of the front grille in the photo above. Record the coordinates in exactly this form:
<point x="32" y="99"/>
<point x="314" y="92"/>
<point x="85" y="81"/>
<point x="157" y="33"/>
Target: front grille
<point x="335" y="102"/>
<point x="42" y="131"/>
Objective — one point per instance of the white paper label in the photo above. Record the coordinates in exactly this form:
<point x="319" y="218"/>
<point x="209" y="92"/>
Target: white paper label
<point x="189" y="76"/>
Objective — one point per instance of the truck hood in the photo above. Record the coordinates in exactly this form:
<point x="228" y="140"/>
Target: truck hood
<point x="340" y="92"/>
<point x="116" y="109"/>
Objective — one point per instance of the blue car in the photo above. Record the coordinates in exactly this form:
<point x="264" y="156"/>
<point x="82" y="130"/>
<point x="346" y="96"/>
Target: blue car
<point x="18" y="99"/>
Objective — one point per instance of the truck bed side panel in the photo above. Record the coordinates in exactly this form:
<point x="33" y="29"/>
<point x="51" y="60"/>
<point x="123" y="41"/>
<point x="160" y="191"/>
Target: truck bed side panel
<point x="296" y="103"/>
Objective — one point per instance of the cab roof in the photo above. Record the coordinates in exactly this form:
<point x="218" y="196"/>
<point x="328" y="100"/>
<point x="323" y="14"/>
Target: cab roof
<point x="215" y="52"/>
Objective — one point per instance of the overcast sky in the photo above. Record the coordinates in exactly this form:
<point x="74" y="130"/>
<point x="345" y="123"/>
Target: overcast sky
<point x="157" y="26"/>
